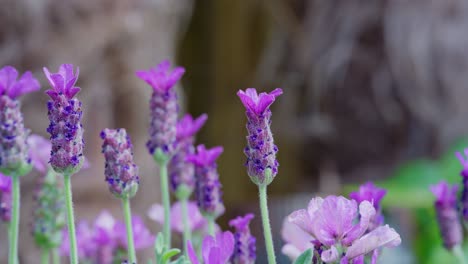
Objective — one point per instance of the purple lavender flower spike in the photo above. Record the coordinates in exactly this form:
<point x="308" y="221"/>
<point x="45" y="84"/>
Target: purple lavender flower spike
<point x="371" y="193"/>
<point x="207" y="187"/>
<point x="215" y="250"/>
<point x="5" y="198"/>
<point x="260" y="150"/>
<point x="464" y="174"/>
<point x="447" y="214"/>
<point x="164" y="106"/>
<point x="65" y="129"/>
<point x="121" y="173"/>
<point x="244" y="247"/>
<point x="14" y="156"/>
<point x="181" y="172"/>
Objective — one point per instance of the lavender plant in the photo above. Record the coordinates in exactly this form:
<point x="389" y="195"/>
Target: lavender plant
<point x="66" y="136"/>
<point x="244" y="246"/>
<point x="262" y="165"/>
<point x="162" y="131"/>
<point x="14" y="157"/>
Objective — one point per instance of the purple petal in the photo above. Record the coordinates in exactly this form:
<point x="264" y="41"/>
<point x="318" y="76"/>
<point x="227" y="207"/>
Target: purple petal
<point x="367" y="212"/>
<point x="382" y="236"/>
<point x="241" y="222"/>
<point x="330" y="255"/>
<point x="5" y="183"/>
<point x="191" y="253"/>
<point x="8" y="75"/>
<point x="297" y="240"/>
<point x="301" y="219"/>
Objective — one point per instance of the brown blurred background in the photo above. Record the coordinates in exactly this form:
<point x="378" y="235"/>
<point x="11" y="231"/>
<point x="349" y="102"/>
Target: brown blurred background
<point x="367" y="84"/>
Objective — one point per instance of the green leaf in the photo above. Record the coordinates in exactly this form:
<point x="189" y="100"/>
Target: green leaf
<point x="305" y="257"/>
<point x="169" y="254"/>
<point x="181" y="260"/>
<point x="159" y="245"/>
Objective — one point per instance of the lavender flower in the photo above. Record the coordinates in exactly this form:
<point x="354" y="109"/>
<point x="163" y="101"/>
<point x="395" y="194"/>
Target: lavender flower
<point x="447" y="214"/>
<point x="164" y="106"/>
<point x="335" y="221"/>
<point x="260" y="150"/>
<point x="121" y="173"/>
<point x="181" y="172"/>
<point x="244" y="249"/>
<point x="196" y="222"/>
<point x="464" y="174"/>
<point x="207" y="187"/>
<point x="49" y="213"/>
<point x="215" y="250"/>
<point x="13" y="147"/>
<point x="296" y="240"/>
<point x="369" y="192"/>
<point x="5" y="198"/>
<point x="382" y="236"/>
<point x="66" y="130"/>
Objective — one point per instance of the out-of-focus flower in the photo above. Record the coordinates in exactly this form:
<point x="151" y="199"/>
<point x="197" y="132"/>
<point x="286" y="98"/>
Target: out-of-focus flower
<point x="163" y="106"/>
<point x="5" y="198"/>
<point x="382" y="236"/>
<point x="373" y="194"/>
<point x="215" y="250"/>
<point x="464" y="174"/>
<point x="447" y="214"/>
<point x="207" y="186"/>
<point x="64" y="111"/>
<point x="120" y="170"/>
<point x="182" y="172"/>
<point x="14" y="158"/>
<point x="244" y="247"/>
<point x="296" y="239"/>
<point x="142" y="236"/>
<point x="260" y="150"/>
<point x="196" y="222"/>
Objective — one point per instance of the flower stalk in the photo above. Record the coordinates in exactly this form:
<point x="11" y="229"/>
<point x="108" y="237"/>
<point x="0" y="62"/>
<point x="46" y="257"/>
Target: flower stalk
<point x="162" y="161"/>
<point x="187" y="234"/>
<point x="70" y="219"/>
<point x="262" y="190"/>
<point x="15" y="217"/>
<point x="128" y="224"/>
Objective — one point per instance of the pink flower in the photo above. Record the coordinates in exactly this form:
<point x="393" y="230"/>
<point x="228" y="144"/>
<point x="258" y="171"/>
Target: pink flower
<point x="196" y="221"/>
<point x="160" y="77"/>
<point x="382" y="236"/>
<point x="63" y="82"/>
<point x="10" y="86"/>
<point x="297" y="240"/>
<point x="215" y="250"/>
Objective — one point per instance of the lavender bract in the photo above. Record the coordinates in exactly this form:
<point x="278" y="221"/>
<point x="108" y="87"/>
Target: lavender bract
<point x="163" y="106"/>
<point x="369" y="192"/>
<point x="215" y="250"/>
<point x="260" y="150"/>
<point x="65" y="129"/>
<point x="14" y="156"/>
<point x="207" y="187"/>
<point x="121" y="173"/>
<point x="447" y="214"/>
<point x="244" y="247"/>
<point x="181" y="172"/>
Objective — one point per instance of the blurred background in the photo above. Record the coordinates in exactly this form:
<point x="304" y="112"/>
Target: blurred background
<point x="373" y="90"/>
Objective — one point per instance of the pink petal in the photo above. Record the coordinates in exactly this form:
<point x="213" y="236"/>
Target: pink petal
<point x="330" y="255"/>
<point x="382" y="236"/>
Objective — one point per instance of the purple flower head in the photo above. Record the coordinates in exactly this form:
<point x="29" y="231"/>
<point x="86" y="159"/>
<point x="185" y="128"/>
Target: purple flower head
<point x="244" y="248"/>
<point x="65" y="128"/>
<point x="334" y="220"/>
<point x="447" y="214"/>
<point x="207" y="187"/>
<point x="142" y="237"/>
<point x="121" y="173"/>
<point x="464" y="173"/>
<point x="373" y="194"/>
<point x="11" y="87"/>
<point x="63" y="82"/>
<point x="260" y="150"/>
<point x="196" y="221"/>
<point x="5" y="198"/>
<point x="181" y="172"/>
<point x="215" y="250"/>
<point x="296" y="240"/>
<point x="163" y="106"/>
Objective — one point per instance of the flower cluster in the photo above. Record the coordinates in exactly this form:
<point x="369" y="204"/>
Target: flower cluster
<point x="105" y="241"/>
<point x="337" y="229"/>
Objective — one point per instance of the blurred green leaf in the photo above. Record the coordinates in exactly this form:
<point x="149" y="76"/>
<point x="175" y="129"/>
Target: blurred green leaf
<point x="305" y="257"/>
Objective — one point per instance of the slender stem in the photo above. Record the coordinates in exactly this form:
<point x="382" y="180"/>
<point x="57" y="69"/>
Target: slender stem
<point x="128" y="223"/>
<point x="166" y="204"/>
<point x="70" y="219"/>
<point x="262" y="189"/>
<point x="211" y="226"/>
<point x="15" y="217"/>
<point x="185" y="218"/>
<point x="55" y="256"/>
<point x="458" y="253"/>
<point x="44" y="256"/>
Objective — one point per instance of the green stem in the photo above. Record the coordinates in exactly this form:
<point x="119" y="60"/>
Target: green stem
<point x="166" y="204"/>
<point x="15" y="217"/>
<point x="44" y="256"/>
<point x="70" y="219"/>
<point x="185" y="217"/>
<point x="458" y="253"/>
<point x="128" y="224"/>
<point x="211" y="226"/>
<point x="55" y="256"/>
<point x="262" y="189"/>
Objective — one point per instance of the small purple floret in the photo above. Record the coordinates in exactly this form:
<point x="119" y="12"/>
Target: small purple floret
<point x="373" y="194"/>
<point x="244" y="247"/>
<point x="182" y="172"/>
<point x="447" y="214"/>
<point x="65" y="129"/>
<point x="120" y="170"/>
<point x="207" y="188"/>
<point x="163" y="106"/>
<point x="261" y="150"/>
